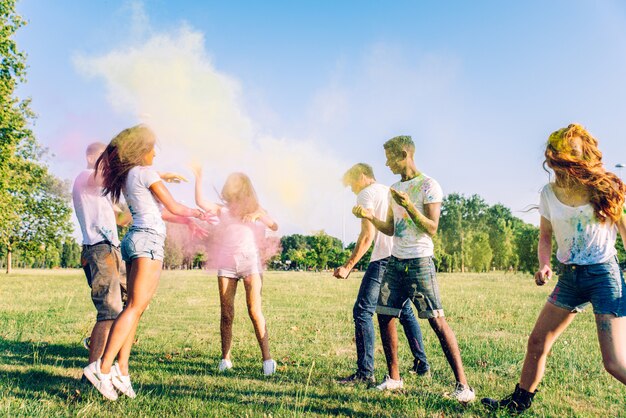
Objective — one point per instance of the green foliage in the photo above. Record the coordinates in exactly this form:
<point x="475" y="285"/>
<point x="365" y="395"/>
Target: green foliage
<point x="319" y="251"/>
<point x="34" y="205"/>
<point x="474" y="236"/>
<point x="479" y="252"/>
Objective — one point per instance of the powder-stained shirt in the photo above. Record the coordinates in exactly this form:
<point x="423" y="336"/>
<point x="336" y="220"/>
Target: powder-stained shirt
<point x="376" y="197"/>
<point x="580" y="237"/>
<point x="144" y="207"/>
<point x="94" y="212"/>
<point x="237" y="236"/>
<point x="410" y="240"/>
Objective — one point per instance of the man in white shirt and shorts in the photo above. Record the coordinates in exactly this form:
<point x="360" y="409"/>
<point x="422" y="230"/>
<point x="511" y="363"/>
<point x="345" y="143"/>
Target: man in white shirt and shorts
<point x="100" y="258"/>
<point x="412" y="220"/>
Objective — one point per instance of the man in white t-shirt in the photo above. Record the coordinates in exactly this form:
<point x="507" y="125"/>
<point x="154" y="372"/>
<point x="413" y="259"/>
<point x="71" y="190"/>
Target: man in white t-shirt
<point x="100" y="257"/>
<point x="374" y="196"/>
<point x="412" y="219"/>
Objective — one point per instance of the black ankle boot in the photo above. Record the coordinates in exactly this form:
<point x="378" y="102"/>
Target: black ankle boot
<point x="519" y="401"/>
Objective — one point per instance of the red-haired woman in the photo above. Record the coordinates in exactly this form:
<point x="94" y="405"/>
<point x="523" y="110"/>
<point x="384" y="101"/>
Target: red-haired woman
<point x="584" y="210"/>
<point x="126" y="167"/>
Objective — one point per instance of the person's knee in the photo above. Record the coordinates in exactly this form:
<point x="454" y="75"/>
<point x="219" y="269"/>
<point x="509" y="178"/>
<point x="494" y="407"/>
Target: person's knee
<point x="361" y="313"/>
<point x="255" y="313"/>
<point x="407" y="317"/>
<point x="439" y="325"/>
<point x="135" y="309"/>
<point x="227" y="316"/>
<point x="614" y="367"/>
<point x="536" y="344"/>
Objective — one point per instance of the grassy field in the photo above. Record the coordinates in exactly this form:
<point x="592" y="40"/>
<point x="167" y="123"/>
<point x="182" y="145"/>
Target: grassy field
<point x="45" y="314"/>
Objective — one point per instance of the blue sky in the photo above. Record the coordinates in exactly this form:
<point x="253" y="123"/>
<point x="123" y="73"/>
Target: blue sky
<point x="479" y="86"/>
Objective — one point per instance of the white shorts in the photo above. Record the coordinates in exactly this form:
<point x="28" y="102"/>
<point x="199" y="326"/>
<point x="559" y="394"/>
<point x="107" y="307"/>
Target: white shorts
<point x="239" y="266"/>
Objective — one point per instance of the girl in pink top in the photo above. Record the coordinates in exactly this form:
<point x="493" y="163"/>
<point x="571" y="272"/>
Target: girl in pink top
<point x="242" y="223"/>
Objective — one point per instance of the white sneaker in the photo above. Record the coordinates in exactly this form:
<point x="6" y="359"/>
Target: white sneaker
<point x="224" y="365"/>
<point x="121" y="382"/>
<point x="269" y="367"/>
<point x="100" y="381"/>
<point x="462" y="393"/>
<point x="390" y="384"/>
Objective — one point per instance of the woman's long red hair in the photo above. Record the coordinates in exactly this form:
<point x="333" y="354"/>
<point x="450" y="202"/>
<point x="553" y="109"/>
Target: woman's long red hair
<point x="607" y="190"/>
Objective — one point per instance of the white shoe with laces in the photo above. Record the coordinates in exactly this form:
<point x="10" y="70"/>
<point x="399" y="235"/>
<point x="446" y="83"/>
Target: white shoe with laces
<point x="100" y="381"/>
<point x="121" y="382"/>
<point x="224" y="365"/>
<point x="390" y="384"/>
<point x="462" y="393"/>
<point x="269" y="367"/>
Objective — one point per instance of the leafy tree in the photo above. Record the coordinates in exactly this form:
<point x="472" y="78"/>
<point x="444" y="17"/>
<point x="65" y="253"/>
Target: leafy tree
<point x="479" y="252"/>
<point x="501" y="235"/>
<point x="526" y="243"/>
<point x="70" y="254"/>
<point x="34" y="205"/>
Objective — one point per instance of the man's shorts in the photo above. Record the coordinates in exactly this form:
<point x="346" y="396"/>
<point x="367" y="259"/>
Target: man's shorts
<point x="239" y="266"/>
<point x="601" y="284"/>
<point x="143" y="243"/>
<point x="101" y="263"/>
<point x="413" y="279"/>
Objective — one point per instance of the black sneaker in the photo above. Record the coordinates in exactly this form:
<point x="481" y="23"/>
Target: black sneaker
<point x="420" y="368"/>
<point x="357" y="378"/>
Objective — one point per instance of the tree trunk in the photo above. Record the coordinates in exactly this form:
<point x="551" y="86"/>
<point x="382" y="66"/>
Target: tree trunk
<point x="9" y="253"/>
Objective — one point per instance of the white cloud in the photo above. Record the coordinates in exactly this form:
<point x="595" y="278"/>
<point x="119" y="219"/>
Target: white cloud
<point x="170" y="82"/>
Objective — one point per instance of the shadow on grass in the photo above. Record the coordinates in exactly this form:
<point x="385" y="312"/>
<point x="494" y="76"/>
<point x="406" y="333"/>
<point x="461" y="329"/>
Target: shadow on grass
<point x="35" y="353"/>
<point x="239" y="389"/>
<point x="37" y="384"/>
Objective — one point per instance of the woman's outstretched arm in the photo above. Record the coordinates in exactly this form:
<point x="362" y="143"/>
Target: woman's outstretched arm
<point x="200" y="201"/>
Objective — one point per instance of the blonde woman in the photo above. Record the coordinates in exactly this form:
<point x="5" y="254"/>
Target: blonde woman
<point x="126" y="167"/>
<point x="584" y="210"/>
<point x="238" y="258"/>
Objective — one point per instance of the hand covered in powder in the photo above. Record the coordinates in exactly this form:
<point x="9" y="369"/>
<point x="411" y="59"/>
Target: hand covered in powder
<point x="543" y="275"/>
<point x="197" y="231"/>
<point x="401" y="198"/>
<point x="172" y="177"/>
<point x="254" y="216"/>
<point x="196" y="169"/>
<point x="362" y="213"/>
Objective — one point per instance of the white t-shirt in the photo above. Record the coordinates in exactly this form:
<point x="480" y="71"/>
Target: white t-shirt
<point x="376" y="197"/>
<point x="144" y="207"/>
<point x="580" y="237"/>
<point x="409" y="240"/>
<point x="94" y="212"/>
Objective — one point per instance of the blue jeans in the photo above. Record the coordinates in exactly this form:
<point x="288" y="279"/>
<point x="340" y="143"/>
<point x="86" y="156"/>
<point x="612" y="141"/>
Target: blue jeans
<point x="363" y="311"/>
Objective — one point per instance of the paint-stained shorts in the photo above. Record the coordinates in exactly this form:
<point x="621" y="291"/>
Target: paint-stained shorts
<point x="101" y="263"/>
<point x="413" y="279"/>
<point x="601" y="284"/>
<point x="239" y="266"/>
<point x="143" y="243"/>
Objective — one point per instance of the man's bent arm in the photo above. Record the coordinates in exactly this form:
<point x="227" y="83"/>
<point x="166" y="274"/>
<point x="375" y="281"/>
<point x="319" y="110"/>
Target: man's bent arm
<point x="429" y="220"/>
<point x="387" y="226"/>
<point x="363" y="243"/>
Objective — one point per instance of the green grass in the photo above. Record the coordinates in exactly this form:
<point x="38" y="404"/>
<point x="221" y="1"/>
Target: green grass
<point x="45" y="314"/>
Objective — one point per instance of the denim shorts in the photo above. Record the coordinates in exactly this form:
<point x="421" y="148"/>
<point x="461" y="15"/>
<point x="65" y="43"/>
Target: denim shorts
<point x="413" y="279"/>
<point x="143" y="243"/>
<point x="601" y="284"/>
<point x="239" y="266"/>
<point x="101" y="263"/>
